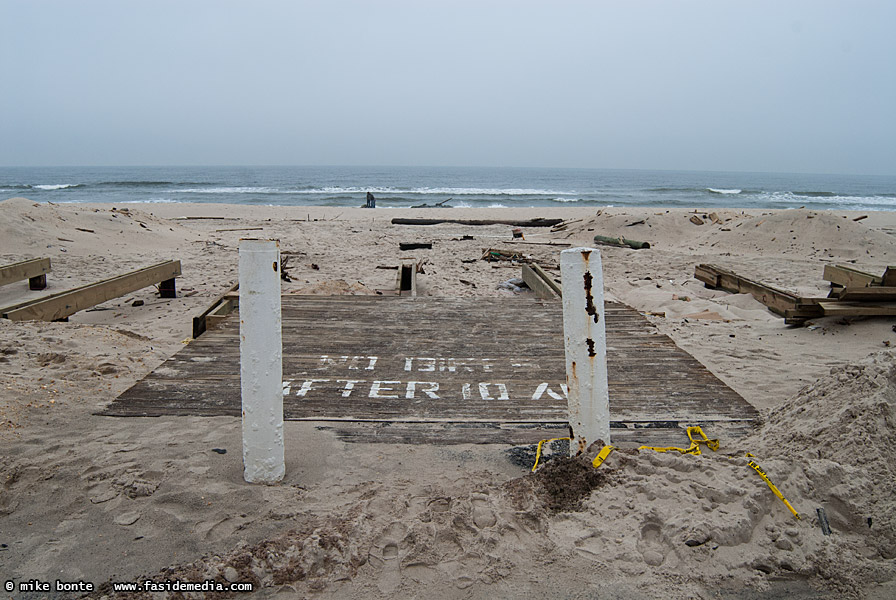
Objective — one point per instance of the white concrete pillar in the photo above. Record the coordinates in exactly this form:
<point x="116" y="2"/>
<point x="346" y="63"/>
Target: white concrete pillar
<point x="261" y="361"/>
<point x="585" y="342"/>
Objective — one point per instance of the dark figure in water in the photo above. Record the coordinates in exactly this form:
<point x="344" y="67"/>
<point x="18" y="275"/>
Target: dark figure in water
<point x="371" y="201"/>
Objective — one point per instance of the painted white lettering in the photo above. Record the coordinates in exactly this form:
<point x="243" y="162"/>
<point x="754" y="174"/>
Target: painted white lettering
<point x="378" y="387"/>
<point x="429" y="364"/>
<point x="502" y="391"/>
<point x="353" y="363"/>
<point x="408" y="364"/>
<point x="348" y="387"/>
<point x="430" y="391"/>
<point x="306" y="386"/>
<point x="287" y="386"/>
<point x="544" y="388"/>
<point x="465" y="390"/>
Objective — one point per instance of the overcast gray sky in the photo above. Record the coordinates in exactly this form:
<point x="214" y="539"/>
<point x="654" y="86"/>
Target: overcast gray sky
<point x="793" y="86"/>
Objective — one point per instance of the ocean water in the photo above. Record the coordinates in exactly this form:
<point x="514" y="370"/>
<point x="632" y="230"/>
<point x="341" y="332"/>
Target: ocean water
<point x="403" y="187"/>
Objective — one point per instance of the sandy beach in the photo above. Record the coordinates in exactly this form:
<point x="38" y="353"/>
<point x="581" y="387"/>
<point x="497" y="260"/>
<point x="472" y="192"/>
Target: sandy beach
<point x="105" y="499"/>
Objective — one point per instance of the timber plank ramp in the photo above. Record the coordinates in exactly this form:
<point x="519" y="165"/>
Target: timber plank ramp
<point x="446" y="370"/>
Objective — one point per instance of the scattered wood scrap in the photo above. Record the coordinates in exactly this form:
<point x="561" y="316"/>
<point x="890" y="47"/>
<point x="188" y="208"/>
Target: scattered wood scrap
<point x="35" y="271"/>
<point x="529" y="223"/>
<point x="64" y="304"/>
<point x="605" y="240"/>
<point x="854" y="293"/>
<point x="495" y="255"/>
<point x="525" y="243"/>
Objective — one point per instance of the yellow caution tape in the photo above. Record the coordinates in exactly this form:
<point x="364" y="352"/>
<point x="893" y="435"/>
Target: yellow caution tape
<point x="772" y="487"/>
<point x="538" y="450"/>
<point x="602" y="455"/>
<point x="714" y="445"/>
<point x="695" y="443"/>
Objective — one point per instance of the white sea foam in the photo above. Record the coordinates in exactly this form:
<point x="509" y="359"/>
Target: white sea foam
<point x="884" y="202"/>
<point x="441" y="191"/>
<point x="566" y="199"/>
<point x="59" y="186"/>
<point x="497" y="206"/>
<point x="227" y="190"/>
<point x="150" y="201"/>
<point x="722" y="191"/>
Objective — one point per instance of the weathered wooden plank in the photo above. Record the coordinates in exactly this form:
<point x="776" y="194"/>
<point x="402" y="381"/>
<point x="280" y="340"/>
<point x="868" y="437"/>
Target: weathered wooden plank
<point x="61" y="305"/>
<point x="857" y="309"/>
<point x="34" y="270"/>
<point x="407" y="278"/>
<point x="889" y="278"/>
<point x="540" y="282"/>
<point x="778" y="301"/>
<point x="624" y="434"/>
<point x="863" y="294"/>
<point x="452" y="361"/>
<point x="845" y="276"/>
<point x="217" y="310"/>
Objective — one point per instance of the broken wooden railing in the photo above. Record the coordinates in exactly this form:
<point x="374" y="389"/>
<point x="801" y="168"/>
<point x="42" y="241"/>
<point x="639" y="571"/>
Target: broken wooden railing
<point x="60" y="306"/>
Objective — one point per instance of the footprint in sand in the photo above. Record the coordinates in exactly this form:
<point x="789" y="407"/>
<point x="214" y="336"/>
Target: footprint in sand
<point x="651" y="544"/>
<point x="385" y="554"/>
<point x="483" y="516"/>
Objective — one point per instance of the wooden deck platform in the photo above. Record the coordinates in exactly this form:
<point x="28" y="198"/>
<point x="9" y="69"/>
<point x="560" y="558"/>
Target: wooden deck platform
<point x="447" y="370"/>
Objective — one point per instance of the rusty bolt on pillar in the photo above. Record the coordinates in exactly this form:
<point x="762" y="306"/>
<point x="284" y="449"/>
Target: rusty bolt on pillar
<point x="585" y="342"/>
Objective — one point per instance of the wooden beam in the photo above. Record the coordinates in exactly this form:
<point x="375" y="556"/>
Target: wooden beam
<point x="857" y="309"/>
<point x="889" y="278"/>
<point x="874" y="294"/>
<point x="540" y="282"/>
<point x="407" y="278"/>
<point x="849" y="277"/>
<point x="777" y="301"/>
<point x="61" y="305"/>
<point x="217" y="310"/>
<point x="708" y="275"/>
<point x="34" y="270"/>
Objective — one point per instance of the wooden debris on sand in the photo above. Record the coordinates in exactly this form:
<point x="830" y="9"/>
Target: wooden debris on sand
<point x="854" y="293"/>
<point x="35" y="271"/>
<point x="64" y="304"/>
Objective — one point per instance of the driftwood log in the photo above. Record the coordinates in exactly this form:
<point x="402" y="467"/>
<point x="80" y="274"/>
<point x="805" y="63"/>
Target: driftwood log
<point x="529" y="223"/>
<point x="620" y="241"/>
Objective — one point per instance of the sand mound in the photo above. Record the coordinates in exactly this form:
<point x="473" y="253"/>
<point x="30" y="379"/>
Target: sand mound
<point x="843" y="430"/>
<point x="36" y="228"/>
<point x="802" y="233"/>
